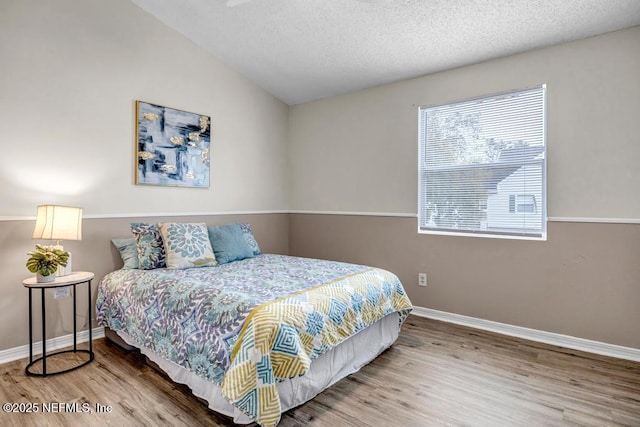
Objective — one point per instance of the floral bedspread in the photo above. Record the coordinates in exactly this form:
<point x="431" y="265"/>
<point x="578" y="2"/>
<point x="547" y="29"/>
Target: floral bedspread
<point x="247" y="324"/>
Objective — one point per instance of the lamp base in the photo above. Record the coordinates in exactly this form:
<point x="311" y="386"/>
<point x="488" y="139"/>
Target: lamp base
<point x="65" y="271"/>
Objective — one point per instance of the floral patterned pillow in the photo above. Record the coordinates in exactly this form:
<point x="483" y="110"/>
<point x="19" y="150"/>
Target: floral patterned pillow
<point x="149" y="245"/>
<point x="187" y="245"/>
<point x="248" y="235"/>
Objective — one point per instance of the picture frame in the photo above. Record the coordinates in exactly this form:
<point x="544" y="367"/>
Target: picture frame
<point x="172" y="147"/>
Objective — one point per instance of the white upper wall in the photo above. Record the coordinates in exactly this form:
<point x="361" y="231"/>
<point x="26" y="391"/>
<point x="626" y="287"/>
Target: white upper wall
<point x="358" y="152"/>
<point x="71" y="71"/>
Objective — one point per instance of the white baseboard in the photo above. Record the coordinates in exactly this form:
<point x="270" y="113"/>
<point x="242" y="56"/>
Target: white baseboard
<point x="567" y="341"/>
<point x="552" y="338"/>
<point x="22" y="352"/>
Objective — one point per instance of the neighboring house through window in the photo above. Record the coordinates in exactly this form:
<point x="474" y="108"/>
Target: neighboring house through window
<point x="482" y="166"/>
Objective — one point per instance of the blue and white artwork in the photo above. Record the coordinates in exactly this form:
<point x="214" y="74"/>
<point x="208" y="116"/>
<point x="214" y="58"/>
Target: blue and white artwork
<point x="172" y="146"/>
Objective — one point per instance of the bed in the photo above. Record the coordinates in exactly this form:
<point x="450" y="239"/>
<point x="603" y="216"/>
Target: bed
<point x="243" y="335"/>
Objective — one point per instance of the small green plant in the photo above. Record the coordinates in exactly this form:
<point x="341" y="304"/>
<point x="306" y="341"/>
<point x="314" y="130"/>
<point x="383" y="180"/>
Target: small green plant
<point x="46" y="259"/>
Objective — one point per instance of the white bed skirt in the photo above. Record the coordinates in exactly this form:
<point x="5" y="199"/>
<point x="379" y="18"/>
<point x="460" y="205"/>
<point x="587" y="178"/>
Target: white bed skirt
<point x="324" y="371"/>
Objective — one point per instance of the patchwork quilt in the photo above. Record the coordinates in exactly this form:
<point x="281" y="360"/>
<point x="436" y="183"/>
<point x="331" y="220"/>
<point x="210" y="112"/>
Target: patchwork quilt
<point x="248" y="324"/>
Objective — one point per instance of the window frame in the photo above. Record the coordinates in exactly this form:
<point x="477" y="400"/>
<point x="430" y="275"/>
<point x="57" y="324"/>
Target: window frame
<point x="539" y="205"/>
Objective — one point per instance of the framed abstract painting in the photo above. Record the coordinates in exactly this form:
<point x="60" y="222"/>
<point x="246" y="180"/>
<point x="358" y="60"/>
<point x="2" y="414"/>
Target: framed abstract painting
<point x="172" y="146"/>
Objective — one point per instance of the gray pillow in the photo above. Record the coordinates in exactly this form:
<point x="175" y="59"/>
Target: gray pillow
<point x="128" y="252"/>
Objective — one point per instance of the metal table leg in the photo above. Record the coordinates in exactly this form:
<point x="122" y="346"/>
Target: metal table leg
<point x="30" y="328"/>
<point x="44" y="335"/>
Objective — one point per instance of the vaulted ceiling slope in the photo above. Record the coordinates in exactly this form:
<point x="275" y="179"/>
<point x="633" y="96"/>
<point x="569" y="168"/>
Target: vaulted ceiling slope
<point x="302" y="50"/>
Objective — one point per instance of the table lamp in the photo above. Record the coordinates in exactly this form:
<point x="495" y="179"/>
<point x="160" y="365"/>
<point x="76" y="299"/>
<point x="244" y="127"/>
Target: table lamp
<point x="59" y="223"/>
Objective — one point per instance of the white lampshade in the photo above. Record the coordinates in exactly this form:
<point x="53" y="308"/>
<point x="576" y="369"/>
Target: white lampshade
<point x="58" y="223"/>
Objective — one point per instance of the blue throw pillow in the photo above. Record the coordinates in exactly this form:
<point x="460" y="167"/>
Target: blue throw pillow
<point x="128" y="252"/>
<point x="229" y="243"/>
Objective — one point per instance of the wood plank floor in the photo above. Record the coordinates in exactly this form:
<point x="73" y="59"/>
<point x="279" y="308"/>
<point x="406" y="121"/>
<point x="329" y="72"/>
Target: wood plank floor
<point x="435" y="374"/>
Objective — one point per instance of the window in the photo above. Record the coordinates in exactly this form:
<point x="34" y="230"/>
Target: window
<point x="482" y="166"/>
<point x="522" y="203"/>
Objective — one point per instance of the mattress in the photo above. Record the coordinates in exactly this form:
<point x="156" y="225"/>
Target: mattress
<point x="236" y="333"/>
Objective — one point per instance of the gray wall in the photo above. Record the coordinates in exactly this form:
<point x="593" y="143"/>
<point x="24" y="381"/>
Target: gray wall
<point x="584" y="281"/>
<point x="93" y="253"/>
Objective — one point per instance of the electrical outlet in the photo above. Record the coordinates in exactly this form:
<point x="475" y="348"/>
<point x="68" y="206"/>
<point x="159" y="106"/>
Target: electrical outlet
<point x="422" y="279"/>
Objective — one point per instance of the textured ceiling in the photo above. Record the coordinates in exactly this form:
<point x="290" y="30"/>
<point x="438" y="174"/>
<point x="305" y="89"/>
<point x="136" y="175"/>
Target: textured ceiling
<point x="302" y="50"/>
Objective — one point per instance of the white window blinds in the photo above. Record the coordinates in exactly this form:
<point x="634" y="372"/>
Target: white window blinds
<point x="482" y="166"/>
